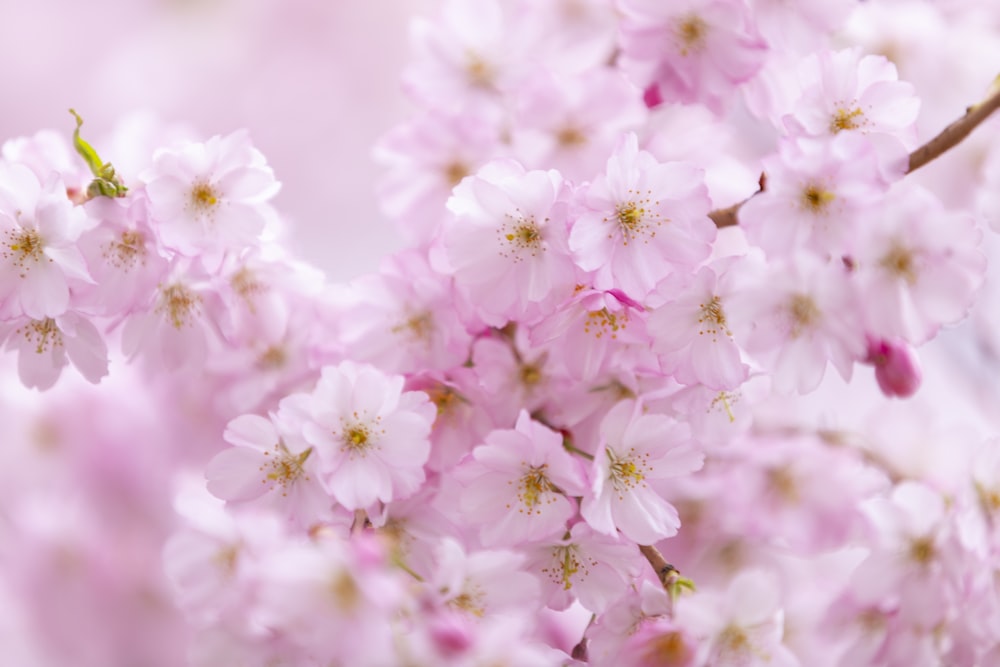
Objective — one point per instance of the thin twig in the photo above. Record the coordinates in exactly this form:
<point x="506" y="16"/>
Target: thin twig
<point x="953" y="135"/>
<point x="947" y="139"/>
<point x="665" y="572"/>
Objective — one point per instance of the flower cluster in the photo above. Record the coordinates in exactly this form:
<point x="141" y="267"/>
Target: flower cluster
<point x="480" y="453"/>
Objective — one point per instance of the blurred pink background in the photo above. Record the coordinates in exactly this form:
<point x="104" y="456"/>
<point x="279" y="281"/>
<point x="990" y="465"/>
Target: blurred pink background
<point x="315" y="81"/>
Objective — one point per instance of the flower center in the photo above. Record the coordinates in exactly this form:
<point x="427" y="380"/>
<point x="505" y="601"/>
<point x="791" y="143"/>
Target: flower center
<point x="626" y="472"/>
<point x="43" y="334"/>
<point x="668" y="649"/>
<point x="847" y="118"/>
<point x="635" y="218"/>
<point x="712" y="318"/>
<point x="480" y="72"/>
<point x="602" y="321"/>
<point x="922" y="550"/>
<point x="418" y="327"/>
<point x="804" y="312"/>
<point x="23" y="246"/>
<point x="285" y="468"/>
<point x="570" y="136"/>
<point x="359" y="437"/>
<point x="531" y="375"/>
<point x="454" y="172"/>
<point x="272" y="358"/>
<point x="203" y="197"/>
<point x="179" y="303"/>
<point x="532" y="486"/>
<point x="470" y="601"/>
<point x="126" y="252"/>
<point x="567" y="562"/>
<point x="522" y="236"/>
<point x="690" y="32"/>
<point x="900" y="263"/>
<point x="816" y="199"/>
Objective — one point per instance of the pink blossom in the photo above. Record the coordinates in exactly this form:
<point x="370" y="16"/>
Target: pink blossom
<point x="584" y="565"/>
<point x="646" y="602"/>
<point x="847" y="91"/>
<point x="693" y="50"/>
<point x="514" y="376"/>
<point x="462" y="419"/>
<point x="466" y="58"/>
<point x="210" y="197"/>
<point x="572" y="123"/>
<point x="264" y="462"/>
<point x="638" y="453"/>
<point x="426" y="158"/>
<point x="909" y="556"/>
<point x="173" y="331"/>
<point x="919" y="265"/>
<point x="640" y="221"/>
<point x="46" y="346"/>
<point x="593" y="331"/>
<point x="797" y="319"/>
<point x="122" y="255"/>
<point x="518" y="484"/>
<point x="691" y="333"/>
<point x="370" y="436"/>
<point x="482" y="583"/>
<point x="403" y="318"/>
<point x="310" y="590"/>
<point x="506" y="246"/>
<point x="744" y="625"/>
<point x="39" y="258"/>
<point x="816" y="191"/>
<point x="804" y="30"/>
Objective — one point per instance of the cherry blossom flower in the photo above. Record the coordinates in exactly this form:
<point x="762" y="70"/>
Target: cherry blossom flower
<point x="744" y="624"/>
<point x="798" y="319"/>
<point x="122" y="255"/>
<point x="507" y="244"/>
<point x="816" y="192"/>
<point x="370" y="436"/>
<point x="47" y="345"/>
<point x="691" y="333"/>
<point x="640" y="221"/>
<point x="403" y="318"/>
<point x="518" y="484"/>
<point x="919" y="265"/>
<point x="593" y="331"/>
<point x="572" y="123"/>
<point x="264" y="462"/>
<point x="692" y="50"/>
<point x="39" y="258"/>
<point x="210" y="198"/>
<point x="638" y="453"/>
<point x="586" y="566"/>
<point x="846" y="91"/>
<point x="173" y="330"/>
<point x="426" y="158"/>
<point x="482" y="583"/>
<point x="464" y="59"/>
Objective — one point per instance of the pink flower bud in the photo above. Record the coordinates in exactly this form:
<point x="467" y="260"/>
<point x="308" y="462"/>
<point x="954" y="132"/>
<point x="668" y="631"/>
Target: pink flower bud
<point x="897" y="367"/>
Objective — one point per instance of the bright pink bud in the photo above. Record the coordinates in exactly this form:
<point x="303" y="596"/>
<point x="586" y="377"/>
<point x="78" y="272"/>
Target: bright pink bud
<point x="652" y="96"/>
<point x="452" y="634"/>
<point x="897" y="367"/>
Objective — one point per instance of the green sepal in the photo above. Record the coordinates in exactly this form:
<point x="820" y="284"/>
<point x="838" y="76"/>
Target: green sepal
<point x="106" y="182"/>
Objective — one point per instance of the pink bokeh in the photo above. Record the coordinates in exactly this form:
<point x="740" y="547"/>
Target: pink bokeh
<point x="315" y="82"/>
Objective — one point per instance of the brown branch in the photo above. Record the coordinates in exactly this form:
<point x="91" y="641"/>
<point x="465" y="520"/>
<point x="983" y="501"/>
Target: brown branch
<point x="953" y="135"/>
<point x="947" y="139"/>
<point x="665" y="572"/>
